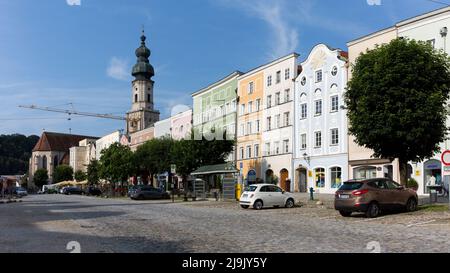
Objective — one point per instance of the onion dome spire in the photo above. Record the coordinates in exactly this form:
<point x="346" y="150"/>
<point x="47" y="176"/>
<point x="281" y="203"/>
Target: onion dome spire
<point x="143" y="70"/>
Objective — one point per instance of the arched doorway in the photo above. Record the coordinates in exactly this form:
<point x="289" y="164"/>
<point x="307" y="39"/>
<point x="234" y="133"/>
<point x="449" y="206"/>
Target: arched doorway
<point x="285" y="185"/>
<point x="302" y="180"/>
<point x="270" y="177"/>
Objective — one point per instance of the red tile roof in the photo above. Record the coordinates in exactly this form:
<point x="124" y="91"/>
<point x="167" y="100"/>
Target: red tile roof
<point x="58" y="142"/>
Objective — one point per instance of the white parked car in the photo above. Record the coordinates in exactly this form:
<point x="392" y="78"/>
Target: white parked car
<point x="266" y="195"/>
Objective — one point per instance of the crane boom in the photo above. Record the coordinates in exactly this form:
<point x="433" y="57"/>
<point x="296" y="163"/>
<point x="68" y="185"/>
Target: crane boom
<point x="72" y="112"/>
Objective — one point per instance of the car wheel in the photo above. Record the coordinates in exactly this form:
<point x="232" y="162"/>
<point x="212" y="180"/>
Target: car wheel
<point x="245" y="206"/>
<point x="289" y="203"/>
<point x="345" y="213"/>
<point x="373" y="210"/>
<point x="140" y="197"/>
<point x="411" y="205"/>
<point x="258" y="205"/>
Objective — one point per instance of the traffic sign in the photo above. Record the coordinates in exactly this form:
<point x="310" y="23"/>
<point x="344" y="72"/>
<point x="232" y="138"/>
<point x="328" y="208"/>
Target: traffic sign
<point x="445" y="158"/>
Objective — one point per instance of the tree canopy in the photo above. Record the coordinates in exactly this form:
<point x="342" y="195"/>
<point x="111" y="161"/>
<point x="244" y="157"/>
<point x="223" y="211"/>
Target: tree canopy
<point x="93" y="169"/>
<point x="15" y="152"/>
<point x="116" y="163"/>
<point x="62" y="173"/>
<point x="396" y="101"/>
<point x="40" y="178"/>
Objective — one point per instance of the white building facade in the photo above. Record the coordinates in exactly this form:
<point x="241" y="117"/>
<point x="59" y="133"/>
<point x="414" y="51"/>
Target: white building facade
<point x="81" y="156"/>
<point x="278" y="121"/>
<point x="106" y="141"/>
<point x="320" y="124"/>
<point x="162" y="128"/>
<point x="432" y="28"/>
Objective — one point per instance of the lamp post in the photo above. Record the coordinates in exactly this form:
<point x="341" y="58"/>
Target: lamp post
<point x="307" y="158"/>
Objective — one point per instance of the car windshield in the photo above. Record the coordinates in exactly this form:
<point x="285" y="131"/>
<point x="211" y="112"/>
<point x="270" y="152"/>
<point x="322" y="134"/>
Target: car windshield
<point x="350" y="186"/>
<point x="251" y="188"/>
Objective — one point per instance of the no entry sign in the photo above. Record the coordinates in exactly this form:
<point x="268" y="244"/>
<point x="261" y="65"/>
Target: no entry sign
<point x="445" y="158"/>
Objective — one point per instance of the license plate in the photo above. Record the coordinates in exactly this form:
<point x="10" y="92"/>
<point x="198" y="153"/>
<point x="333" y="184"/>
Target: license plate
<point x="344" y="196"/>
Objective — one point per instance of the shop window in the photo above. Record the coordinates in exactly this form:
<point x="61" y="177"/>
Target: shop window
<point x="336" y="177"/>
<point x="365" y="172"/>
<point x="320" y="177"/>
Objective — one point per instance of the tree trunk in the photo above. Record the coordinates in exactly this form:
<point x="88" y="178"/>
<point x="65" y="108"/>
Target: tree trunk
<point x="403" y="166"/>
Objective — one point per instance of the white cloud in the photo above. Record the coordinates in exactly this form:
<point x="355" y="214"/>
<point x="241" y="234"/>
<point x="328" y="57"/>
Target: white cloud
<point x="73" y="2"/>
<point x="284" y="36"/>
<point x="118" y="69"/>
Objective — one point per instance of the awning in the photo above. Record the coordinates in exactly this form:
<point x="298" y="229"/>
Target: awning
<point x="216" y="169"/>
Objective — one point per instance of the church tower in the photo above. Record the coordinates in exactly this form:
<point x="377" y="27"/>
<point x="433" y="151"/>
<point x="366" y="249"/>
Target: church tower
<point x="142" y="115"/>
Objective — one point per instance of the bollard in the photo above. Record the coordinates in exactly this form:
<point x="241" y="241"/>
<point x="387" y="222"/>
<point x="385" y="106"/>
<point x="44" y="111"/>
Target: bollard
<point x="311" y="194"/>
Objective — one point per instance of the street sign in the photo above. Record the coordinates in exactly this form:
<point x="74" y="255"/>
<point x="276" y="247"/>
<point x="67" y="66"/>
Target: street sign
<point x="446" y="170"/>
<point x="173" y="168"/>
<point x="445" y="158"/>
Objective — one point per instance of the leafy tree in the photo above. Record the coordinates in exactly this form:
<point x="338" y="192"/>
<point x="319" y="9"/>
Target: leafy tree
<point x="396" y="101"/>
<point x="40" y="178"/>
<point x="190" y="154"/>
<point x="116" y="163"/>
<point x="154" y="156"/>
<point x="62" y="173"/>
<point x="80" y="176"/>
<point x="15" y="152"/>
<point x="93" y="169"/>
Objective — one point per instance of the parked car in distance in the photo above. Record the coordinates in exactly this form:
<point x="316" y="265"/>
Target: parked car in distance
<point x="372" y="196"/>
<point x="20" y="191"/>
<point x="72" y="190"/>
<point x="51" y="191"/>
<point x="148" y="193"/>
<point x="266" y="195"/>
<point x="93" y="191"/>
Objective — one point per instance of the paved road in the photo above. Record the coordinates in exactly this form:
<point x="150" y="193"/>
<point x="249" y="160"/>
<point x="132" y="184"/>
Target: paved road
<point x="46" y="223"/>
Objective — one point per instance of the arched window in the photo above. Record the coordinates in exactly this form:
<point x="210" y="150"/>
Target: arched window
<point x="55" y="161"/>
<point x="135" y="98"/>
<point x="336" y="177"/>
<point x="148" y="97"/>
<point x="320" y="177"/>
<point x="44" y="162"/>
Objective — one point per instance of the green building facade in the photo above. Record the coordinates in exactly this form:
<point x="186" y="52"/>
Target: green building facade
<point x="215" y="106"/>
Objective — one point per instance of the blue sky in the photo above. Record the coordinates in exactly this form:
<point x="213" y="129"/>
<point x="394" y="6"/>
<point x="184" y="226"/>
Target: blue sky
<point x="56" y="52"/>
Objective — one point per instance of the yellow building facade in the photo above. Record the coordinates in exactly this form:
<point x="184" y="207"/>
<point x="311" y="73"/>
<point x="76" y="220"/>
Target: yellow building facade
<point x="249" y="125"/>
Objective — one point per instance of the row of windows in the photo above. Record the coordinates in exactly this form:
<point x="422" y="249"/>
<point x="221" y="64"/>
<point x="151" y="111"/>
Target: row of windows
<point x="286" y="98"/>
<point x="320" y="177"/>
<point x="277" y="121"/>
<point x="275" y="149"/>
<point x="318" y="107"/>
<point x="136" y="98"/>
<point x="318" y="75"/>
<point x="255" y="106"/>
<point x="287" y="76"/>
<point x="251" y="127"/>
<point x="216" y="112"/>
<point x="334" y="133"/>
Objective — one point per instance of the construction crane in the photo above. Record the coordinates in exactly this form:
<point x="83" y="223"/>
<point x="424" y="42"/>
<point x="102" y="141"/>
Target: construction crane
<point x="72" y="112"/>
